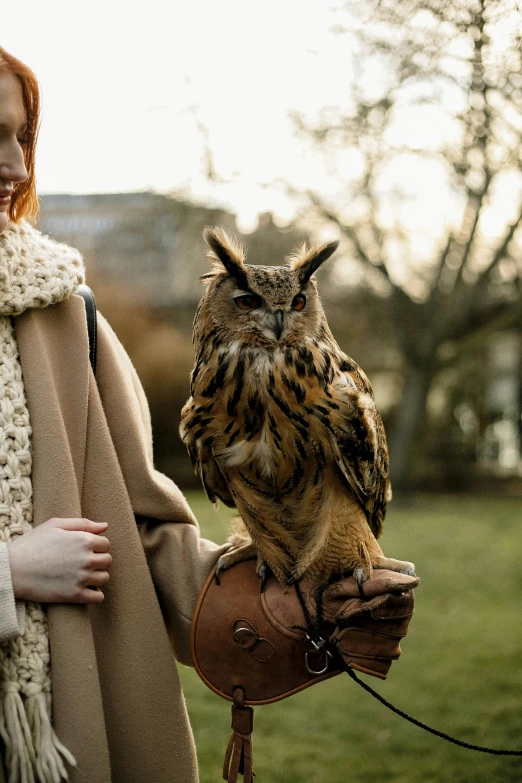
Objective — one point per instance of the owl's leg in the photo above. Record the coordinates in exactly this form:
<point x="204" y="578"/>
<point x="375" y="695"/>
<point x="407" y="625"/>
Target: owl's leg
<point x="401" y="566"/>
<point x="363" y="570"/>
<point x="371" y="557"/>
<point x="243" y="548"/>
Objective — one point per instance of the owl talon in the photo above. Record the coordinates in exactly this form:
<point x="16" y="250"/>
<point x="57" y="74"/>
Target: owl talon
<point x="263" y="572"/>
<point x="220" y="566"/>
<point x="359" y="578"/>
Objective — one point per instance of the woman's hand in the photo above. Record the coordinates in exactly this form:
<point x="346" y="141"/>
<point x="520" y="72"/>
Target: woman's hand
<point x="59" y="561"/>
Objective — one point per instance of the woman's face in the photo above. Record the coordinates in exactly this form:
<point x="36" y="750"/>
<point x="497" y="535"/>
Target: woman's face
<point x="13" y="121"/>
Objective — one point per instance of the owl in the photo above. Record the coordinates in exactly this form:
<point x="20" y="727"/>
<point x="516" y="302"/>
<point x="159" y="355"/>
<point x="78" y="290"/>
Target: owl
<point x="281" y="424"/>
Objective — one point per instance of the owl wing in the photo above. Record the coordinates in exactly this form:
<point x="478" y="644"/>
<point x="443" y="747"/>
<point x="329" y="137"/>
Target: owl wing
<point x="192" y="432"/>
<point x="214" y="483"/>
<point x="359" y="445"/>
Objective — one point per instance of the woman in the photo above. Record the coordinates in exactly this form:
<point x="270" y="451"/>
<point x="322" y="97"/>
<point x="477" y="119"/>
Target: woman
<point x="88" y="684"/>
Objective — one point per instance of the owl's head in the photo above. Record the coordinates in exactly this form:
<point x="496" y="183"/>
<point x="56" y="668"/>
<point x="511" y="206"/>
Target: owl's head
<point x="263" y="304"/>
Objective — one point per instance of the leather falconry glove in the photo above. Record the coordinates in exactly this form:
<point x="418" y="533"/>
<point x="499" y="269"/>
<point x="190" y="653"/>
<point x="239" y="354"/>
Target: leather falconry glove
<point x="365" y="630"/>
<point x="253" y="647"/>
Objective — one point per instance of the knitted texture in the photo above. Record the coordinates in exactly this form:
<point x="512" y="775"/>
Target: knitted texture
<point x="35" y="271"/>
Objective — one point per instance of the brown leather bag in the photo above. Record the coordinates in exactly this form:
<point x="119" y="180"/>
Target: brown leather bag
<point x="253" y="647"/>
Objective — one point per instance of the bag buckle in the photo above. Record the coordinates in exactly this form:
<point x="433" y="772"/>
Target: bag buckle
<point x="318" y="647"/>
<point x="245" y="635"/>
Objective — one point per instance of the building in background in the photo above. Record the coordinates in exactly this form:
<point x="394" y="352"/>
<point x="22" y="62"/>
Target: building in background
<point x="501" y="445"/>
<point x="150" y="241"/>
<point x="153" y="245"/>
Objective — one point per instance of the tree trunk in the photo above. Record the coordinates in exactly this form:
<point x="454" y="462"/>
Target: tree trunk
<point x="408" y="425"/>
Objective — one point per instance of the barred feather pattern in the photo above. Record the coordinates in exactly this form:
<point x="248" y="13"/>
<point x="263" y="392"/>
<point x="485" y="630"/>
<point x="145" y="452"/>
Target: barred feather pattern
<point x="289" y="434"/>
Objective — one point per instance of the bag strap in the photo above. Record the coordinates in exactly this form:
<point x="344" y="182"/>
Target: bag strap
<point x="90" y="306"/>
<point x="238" y="758"/>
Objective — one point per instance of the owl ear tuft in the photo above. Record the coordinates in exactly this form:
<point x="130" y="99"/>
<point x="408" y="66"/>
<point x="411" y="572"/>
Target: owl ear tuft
<point x="308" y="258"/>
<point x="226" y="254"/>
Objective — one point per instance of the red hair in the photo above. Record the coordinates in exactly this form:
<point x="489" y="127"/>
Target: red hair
<point x="24" y="203"/>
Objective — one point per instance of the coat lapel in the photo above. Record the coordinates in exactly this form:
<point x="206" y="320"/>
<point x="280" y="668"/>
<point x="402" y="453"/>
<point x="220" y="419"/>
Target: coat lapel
<point x="54" y="354"/>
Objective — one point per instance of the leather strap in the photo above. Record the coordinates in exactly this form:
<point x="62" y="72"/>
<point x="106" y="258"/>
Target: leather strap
<point x="238" y="757"/>
<point x="90" y="306"/>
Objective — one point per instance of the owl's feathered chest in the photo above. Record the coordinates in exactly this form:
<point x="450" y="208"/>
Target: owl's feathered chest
<point x="270" y="412"/>
<point x="280" y="423"/>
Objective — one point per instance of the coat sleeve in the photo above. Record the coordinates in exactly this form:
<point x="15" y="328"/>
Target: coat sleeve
<point x="179" y="559"/>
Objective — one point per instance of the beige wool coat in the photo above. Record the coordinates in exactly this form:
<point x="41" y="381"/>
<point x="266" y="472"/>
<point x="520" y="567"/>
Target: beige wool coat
<point x="117" y="702"/>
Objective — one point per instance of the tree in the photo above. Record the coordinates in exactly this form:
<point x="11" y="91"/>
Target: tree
<point x="427" y="161"/>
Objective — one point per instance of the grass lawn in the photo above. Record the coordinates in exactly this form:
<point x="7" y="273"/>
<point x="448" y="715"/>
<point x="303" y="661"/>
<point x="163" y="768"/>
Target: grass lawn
<point x="460" y="671"/>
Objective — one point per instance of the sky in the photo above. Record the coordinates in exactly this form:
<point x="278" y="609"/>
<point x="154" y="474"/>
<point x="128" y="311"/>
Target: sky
<point x="133" y="95"/>
<point x="131" y="91"/>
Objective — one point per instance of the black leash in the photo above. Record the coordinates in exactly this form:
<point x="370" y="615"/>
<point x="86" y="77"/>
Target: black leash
<point x="314" y="632"/>
<point x="421" y="725"/>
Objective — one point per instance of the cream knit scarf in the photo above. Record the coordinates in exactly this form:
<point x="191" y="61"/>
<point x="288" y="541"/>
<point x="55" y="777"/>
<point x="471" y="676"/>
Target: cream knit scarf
<point x="35" y="271"/>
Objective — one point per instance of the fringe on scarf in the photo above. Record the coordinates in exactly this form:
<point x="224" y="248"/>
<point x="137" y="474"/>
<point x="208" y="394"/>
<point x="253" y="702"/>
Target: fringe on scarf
<point x="35" y="271"/>
<point x="32" y="749"/>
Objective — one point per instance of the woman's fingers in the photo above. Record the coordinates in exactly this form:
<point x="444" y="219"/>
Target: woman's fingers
<point x="88" y="596"/>
<point x="98" y="578"/>
<point x="100" y="544"/>
<point x="100" y="562"/>
<point x="61" y="560"/>
<point x="76" y="523"/>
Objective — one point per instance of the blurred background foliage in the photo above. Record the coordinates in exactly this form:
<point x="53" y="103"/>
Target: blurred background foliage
<point x="421" y="180"/>
<point x="418" y="171"/>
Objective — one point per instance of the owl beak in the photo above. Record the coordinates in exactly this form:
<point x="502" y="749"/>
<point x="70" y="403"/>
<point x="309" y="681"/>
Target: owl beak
<point x="278" y="323"/>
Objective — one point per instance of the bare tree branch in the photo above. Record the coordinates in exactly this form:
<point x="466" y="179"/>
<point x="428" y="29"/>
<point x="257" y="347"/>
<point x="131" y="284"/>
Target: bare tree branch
<point x="439" y="269"/>
<point x="351" y="233"/>
<point x="501" y="251"/>
<point x="505" y="319"/>
<point x="473" y="230"/>
<point x="478" y="140"/>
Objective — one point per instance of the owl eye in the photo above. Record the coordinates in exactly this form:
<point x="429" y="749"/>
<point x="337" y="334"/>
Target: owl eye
<point x="248" y="302"/>
<point x="299" y="302"/>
